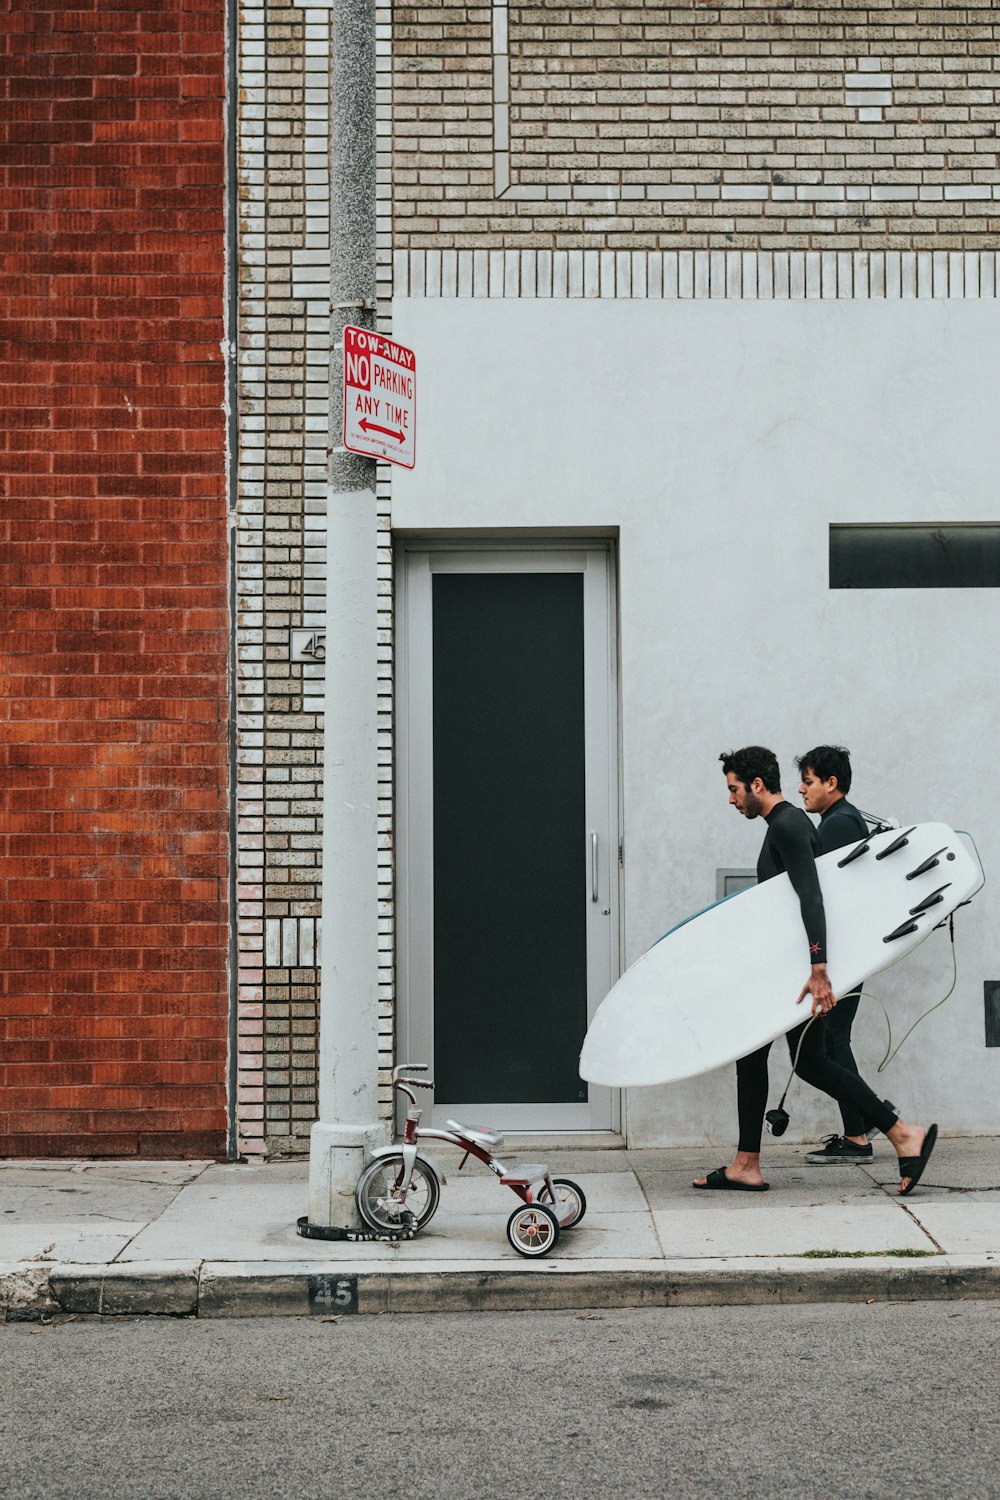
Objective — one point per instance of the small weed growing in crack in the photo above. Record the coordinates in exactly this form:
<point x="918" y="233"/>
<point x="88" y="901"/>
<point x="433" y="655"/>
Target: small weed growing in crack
<point x="858" y="1254"/>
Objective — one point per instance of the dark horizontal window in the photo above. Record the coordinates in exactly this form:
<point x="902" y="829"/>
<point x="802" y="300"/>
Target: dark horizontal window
<point x="991" y="997"/>
<point x="915" y="557"/>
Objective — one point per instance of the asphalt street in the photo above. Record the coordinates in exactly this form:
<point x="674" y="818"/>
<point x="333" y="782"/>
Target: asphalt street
<point x="862" y="1402"/>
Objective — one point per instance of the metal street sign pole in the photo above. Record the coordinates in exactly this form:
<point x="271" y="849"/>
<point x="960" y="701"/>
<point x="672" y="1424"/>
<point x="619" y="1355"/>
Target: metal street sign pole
<point x="348" y="1126"/>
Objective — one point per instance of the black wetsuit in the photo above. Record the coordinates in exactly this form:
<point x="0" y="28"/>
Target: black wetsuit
<point x="839" y="827"/>
<point x="792" y="844"/>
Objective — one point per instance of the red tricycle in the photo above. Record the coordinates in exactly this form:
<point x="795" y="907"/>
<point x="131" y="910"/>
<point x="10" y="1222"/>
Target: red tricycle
<point x="401" y="1187"/>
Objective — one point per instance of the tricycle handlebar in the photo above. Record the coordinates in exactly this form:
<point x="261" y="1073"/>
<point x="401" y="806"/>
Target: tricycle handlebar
<point x="400" y="1075"/>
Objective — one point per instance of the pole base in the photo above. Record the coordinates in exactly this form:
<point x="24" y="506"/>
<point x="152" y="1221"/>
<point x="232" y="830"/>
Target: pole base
<point x="338" y="1154"/>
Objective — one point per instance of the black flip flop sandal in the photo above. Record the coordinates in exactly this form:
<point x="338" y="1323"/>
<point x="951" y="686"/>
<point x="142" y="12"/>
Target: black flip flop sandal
<point x="718" y="1179"/>
<point x="913" y="1166"/>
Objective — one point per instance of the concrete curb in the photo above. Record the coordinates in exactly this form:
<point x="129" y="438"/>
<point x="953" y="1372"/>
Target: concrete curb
<point x="127" y="1291"/>
<point x="222" y="1290"/>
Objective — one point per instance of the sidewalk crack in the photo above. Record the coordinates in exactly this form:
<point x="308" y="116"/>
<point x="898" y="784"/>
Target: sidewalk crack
<point x="156" y="1217"/>
<point x="923" y="1229"/>
<point x="649" y="1209"/>
<point x="947" y="1187"/>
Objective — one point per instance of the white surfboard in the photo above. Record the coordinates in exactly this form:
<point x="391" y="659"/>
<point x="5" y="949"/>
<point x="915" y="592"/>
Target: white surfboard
<point x="726" y="981"/>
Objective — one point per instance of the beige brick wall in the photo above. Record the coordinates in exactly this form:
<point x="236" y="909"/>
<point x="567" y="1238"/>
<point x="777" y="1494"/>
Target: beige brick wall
<point x="813" y="127"/>
<point x="285" y="53"/>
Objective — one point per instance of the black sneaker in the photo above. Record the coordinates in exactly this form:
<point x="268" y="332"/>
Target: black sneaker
<point x="836" y="1148"/>
<point x="875" y="1128"/>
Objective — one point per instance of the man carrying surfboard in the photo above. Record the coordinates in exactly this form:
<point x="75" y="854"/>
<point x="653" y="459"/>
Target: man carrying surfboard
<point x="826" y="776"/>
<point x="791" y="845"/>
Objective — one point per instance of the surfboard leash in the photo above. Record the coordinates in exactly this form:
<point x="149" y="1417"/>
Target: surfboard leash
<point x="890" y="1051"/>
<point x="777" y="1120"/>
<point x="982" y="870"/>
<point x="879" y="824"/>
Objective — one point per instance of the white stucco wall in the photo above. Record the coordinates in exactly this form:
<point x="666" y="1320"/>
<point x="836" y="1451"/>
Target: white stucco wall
<point x="722" y="439"/>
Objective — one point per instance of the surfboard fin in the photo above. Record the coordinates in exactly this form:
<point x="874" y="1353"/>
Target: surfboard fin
<point x="928" y="864"/>
<point x="932" y="900"/>
<point x="904" y="838"/>
<point x="900" y="931"/>
<point x="855" y="853"/>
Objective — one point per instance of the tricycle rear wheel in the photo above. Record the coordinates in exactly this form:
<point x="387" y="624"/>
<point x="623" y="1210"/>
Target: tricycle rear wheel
<point x="569" y="1197"/>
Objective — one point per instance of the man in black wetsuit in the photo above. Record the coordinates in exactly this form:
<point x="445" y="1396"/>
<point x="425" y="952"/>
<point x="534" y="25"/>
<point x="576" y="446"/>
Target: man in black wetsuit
<point x="826" y="780"/>
<point x="791" y="845"/>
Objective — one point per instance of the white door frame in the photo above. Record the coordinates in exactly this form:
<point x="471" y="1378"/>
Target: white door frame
<point x="595" y="559"/>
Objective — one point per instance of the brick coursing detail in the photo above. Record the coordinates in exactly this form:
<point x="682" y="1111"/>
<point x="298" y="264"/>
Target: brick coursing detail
<point x="113" y="576"/>
<point x="744" y="275"/>
<point x="650" y="125"/>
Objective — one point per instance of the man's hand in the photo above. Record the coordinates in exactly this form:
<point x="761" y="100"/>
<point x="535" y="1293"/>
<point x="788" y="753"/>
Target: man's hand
<point x="818" y="986"/>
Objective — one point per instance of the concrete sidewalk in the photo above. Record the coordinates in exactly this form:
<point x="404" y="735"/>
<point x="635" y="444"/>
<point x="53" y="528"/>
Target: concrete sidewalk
<point x="199" y="1238"/>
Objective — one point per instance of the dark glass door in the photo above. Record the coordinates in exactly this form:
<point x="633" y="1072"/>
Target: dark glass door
<point x="509" y="836"/>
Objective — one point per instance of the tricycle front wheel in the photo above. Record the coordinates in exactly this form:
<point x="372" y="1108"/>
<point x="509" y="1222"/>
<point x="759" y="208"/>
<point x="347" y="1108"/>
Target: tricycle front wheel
<point x="383" y="1205"/>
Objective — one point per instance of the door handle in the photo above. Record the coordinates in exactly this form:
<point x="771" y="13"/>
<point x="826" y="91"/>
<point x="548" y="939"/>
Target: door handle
<point x="593" y="867"/>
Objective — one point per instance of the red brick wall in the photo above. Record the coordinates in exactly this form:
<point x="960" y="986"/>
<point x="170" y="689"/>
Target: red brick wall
<point x="113" y="578"/>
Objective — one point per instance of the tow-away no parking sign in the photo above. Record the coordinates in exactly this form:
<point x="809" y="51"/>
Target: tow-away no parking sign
<point x="380" y="397"/>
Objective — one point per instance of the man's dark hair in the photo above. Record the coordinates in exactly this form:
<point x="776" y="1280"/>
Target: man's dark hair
<point x="826" y="761"/>
<point x="749" y="763"/>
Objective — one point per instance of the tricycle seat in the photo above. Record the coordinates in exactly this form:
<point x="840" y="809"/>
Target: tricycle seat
<point x="485" y="1138"/>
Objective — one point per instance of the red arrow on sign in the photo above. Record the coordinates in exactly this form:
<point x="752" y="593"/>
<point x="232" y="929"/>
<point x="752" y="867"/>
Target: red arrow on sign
<point x="367" y="426"/>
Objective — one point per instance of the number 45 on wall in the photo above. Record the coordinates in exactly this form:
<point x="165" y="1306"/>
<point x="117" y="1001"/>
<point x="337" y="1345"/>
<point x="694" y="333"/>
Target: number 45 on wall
<point x="308" y="645"/>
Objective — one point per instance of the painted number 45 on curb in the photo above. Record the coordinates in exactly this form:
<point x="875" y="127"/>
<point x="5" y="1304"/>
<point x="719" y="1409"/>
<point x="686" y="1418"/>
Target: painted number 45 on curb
<point x="333" y="1294"/>
<point x="380" y="397"/>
